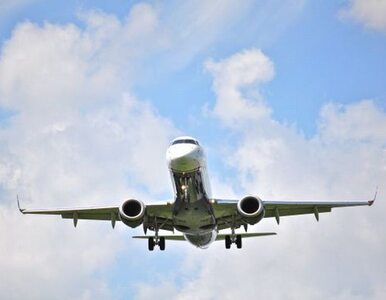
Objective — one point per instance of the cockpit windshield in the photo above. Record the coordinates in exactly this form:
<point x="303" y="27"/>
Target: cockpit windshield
<point x="185" y="141"/>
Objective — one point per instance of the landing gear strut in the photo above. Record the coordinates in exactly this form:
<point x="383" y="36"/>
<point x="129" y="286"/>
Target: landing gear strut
<point x="156" y="240"/>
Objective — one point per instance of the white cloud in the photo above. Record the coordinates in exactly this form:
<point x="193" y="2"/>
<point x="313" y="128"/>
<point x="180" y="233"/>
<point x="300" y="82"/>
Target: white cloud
<point x="66" y="67"/>
<point x="371" y="13"/>
<point x="79" y="137"/>
<point x="350" y="122"/>
<point x="250" y="67"/>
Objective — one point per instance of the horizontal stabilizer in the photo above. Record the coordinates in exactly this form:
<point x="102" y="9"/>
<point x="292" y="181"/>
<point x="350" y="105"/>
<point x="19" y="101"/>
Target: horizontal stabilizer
<point x="176" y="237"/>
<point x="221" y="237"/>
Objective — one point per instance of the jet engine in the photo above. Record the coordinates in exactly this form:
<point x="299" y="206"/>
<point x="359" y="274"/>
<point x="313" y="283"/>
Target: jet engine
<point x="251" y="209"/>
<point x="132" y="212"/>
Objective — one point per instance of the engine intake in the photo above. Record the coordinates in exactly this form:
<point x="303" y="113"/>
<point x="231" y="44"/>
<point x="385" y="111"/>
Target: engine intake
<point x="251" y="209"/>
<point x="132" y="212"/>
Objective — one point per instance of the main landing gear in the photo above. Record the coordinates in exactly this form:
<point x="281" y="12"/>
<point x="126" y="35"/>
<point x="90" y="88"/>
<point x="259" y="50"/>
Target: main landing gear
<point x="156" y="239"/>
<point x="235" y="239"/>
<point x="153" y="241"/>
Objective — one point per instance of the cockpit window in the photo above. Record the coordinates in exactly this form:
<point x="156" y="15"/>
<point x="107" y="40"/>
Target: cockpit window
<point x="185" y="141"/>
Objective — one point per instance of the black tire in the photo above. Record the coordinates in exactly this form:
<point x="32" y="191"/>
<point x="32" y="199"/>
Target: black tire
<point x="151" y="244"/>
<point x="238" y="241"/>
<point x="227" y="242"/>
<point x="162" y="243"/>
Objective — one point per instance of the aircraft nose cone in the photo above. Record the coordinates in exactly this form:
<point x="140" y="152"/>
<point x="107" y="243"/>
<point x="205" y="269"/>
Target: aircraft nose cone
<point x="184" y="158"/>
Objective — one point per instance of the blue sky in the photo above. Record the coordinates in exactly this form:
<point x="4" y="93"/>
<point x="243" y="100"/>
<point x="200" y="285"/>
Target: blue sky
<point x="288" y="98"/>
<point x="325" y="58"/>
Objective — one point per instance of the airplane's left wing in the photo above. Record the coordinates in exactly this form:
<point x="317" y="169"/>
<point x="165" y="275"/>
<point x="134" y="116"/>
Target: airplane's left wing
<point x="290" y="208"/>
<point x="226" y="210"/>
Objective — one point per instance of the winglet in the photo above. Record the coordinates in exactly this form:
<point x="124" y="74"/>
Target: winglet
<point x="371" y="202"/>
<point x="18" y="204"/>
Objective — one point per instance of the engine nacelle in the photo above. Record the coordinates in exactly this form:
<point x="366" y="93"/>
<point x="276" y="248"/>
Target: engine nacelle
<point x="132" y="212"/>
<point x="251" y="209"/>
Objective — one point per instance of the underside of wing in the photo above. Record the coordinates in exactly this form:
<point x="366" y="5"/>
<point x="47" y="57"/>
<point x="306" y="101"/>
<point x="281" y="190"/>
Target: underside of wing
<point x="160" y="216"/>
<point x="106" y="213"/>
<point x="278" y="209"/>
<point x="227" y="215"/>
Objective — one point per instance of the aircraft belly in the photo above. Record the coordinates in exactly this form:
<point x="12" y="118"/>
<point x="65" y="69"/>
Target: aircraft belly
<point x="191" y="219"/>
<point x="201" y="240"/>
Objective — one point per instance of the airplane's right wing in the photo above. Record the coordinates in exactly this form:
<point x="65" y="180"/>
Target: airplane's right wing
<point x="105" y="213"/>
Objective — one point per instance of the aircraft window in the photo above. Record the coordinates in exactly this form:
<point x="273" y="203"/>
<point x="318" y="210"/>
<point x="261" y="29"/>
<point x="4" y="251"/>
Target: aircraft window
<point x="187" y="141"/>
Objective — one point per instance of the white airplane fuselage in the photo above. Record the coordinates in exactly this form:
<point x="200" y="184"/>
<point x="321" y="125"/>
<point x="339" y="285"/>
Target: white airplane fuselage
<point x="193" y="214"/>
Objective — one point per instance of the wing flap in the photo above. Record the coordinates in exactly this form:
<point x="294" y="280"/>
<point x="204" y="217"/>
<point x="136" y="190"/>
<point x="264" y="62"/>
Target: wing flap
<point x="89" y="213"/>
<point x="295" y="211"/>
<point x="106" y="213"/>
<point x="92" y="216"/>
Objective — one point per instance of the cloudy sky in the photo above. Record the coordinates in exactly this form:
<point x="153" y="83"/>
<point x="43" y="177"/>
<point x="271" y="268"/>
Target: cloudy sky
<point x="287" y="97"/>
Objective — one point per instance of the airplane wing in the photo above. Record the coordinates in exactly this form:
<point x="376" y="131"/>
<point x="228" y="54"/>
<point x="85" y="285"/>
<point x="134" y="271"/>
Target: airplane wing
<point x="106" y="213"/>
<point x="226" y="210"/>
<point x="157" y="214"/>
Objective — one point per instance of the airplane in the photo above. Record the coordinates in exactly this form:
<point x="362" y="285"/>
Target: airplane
<point x="194" y="212"/>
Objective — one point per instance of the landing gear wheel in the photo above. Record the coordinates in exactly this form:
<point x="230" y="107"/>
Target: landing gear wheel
<point x="161" y="243"/>
<point x="151" y="243"/>
<point x="228" y="242"/>
<point x="238" y="241"/>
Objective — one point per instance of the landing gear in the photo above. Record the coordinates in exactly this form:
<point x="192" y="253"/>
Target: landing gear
<point x="161" y="243"/>
<point x="156" y="240"/>
<point x="228" y="242"/>
<point x="238" y="241"/>
<point x="151" y="244"/>
<point x="233" y="239"/>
